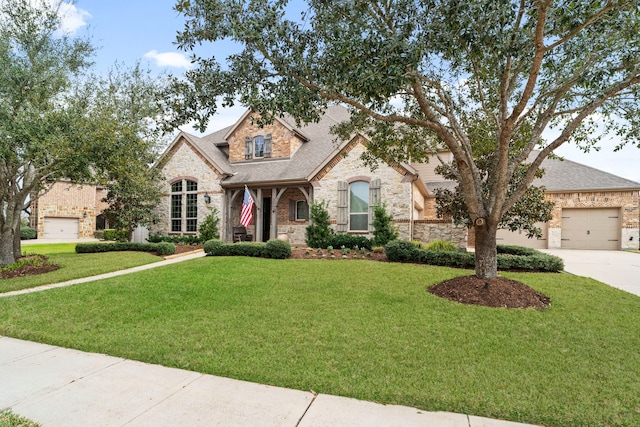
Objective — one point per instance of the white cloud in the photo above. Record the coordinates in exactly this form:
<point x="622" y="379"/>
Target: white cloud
<point x="168" y="59"/>
<point x="72" y="17"/>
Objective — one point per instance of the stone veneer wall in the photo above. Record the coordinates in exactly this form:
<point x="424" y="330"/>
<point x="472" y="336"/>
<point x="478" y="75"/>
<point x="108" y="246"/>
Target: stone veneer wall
<point x="395" y="193"/>
<point x="185" y="163"/>
<point x="431" y="230"/>
<point x="66" y="200"/>
<point x="284" y="141"/>
<point x="627" y="201"/>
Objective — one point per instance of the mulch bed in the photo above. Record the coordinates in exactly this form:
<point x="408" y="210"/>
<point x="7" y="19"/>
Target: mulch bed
<point x="337" y="254"/>
<point x="498" y="292"/>
<point x="29" y="270"/>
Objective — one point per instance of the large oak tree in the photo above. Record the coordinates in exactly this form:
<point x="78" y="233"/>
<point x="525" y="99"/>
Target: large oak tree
<point x="426" y="75"/>
<point x="58" y="122"/>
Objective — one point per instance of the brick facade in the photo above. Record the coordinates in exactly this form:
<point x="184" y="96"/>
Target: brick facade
<point x="66" y="200"/>
<point x="285" y="141"/>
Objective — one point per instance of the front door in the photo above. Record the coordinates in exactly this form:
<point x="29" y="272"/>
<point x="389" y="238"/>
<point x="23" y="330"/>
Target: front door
<point x="266" y="219"/>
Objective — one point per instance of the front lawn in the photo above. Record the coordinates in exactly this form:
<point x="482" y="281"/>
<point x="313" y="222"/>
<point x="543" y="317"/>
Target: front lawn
<point x="363" y="329"/>
<point x="74" y="266"/>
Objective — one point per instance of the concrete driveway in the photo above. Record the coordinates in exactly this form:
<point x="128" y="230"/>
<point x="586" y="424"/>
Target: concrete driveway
<point x="616" y="268"/>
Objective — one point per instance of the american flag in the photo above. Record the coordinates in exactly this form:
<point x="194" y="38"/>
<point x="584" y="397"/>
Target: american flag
<point x="247" y="209"/>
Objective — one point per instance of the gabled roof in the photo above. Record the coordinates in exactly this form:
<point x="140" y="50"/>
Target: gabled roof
<point x="566" y="175"/>
<point x="211" y="154"/>
<point x="280" y="120"/>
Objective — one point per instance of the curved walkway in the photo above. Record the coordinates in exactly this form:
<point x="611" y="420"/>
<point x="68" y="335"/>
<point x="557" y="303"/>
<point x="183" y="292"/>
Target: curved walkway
<point x="56" y="386"/>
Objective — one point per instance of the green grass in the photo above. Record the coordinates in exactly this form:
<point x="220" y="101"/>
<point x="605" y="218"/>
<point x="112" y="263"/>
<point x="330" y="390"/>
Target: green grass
<point x="74" y="266"/>
<point x="9" y="419"/>
<point x="363" y="329"/>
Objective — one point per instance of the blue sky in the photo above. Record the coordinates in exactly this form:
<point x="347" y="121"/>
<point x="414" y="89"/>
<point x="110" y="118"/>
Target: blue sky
<point x="128" y="31"/>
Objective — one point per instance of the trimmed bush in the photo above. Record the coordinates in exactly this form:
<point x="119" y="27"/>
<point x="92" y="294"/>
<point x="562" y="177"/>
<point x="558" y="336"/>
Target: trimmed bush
<point x="213" y="247"/>
<point x="441" y="246"/>
<point x="533" y="260"/>
<point x="163" y="248"/>
<point x="27" y="233"/>
<point x="118" y="235"/>
<point x="401" y="250"/>
<point x="216" y="247"/>
<point x="99" y="234"/>
<point x="278" y="249"/>
<point x="189" y="239"/>
<point x="349" y="241"/>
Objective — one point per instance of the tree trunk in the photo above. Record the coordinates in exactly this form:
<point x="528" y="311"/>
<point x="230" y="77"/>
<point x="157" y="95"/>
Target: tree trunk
<point x="486" y="252"/>
<point x="6" y="246"/>
<point x="17" y="244"/>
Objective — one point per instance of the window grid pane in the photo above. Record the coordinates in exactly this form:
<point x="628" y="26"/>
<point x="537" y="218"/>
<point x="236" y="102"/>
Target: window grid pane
<point x="359" y="222"/>
<point x="192" y="225"/>
<point x="176" y="187"/>
<point x="192" y="186"/>
<point x="258" y="146"/>
<point x="176" y="206"/>
<point x="176" y="225"/>
<point x="302" y="210"/>
<point x="192" y="205"/>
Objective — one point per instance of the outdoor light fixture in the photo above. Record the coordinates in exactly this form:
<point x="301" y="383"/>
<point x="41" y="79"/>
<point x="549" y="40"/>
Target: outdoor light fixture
<point x="84" y="215"/>
<point x="207" y="198"/>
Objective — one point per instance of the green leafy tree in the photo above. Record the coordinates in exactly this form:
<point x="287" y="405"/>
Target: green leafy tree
<point x="383" y="232"/>
<point x="420" y="75"/>
<point x="55" y="122"/>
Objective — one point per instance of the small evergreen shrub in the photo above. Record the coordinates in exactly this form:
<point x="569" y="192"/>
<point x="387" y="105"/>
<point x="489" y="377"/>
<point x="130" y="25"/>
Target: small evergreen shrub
<point x="118" y="235"/>
<point x="350" y="241"/>
<point x="418" y="244"/>
<point x="163" y="248"/>
<point x="516" y="250"/>
<point x="278" y="249"/>
<point x="188" y="239"/>
<point x="208" y="228"/>
<point x="318" y="233"/>
<point x="401" y="250"/>
<point x="441" y="246"/>
<point x="27" y="233"/>
<point x="99" y="234"/>
<point x="213" y="247"/>
<point x="383" y="230"/>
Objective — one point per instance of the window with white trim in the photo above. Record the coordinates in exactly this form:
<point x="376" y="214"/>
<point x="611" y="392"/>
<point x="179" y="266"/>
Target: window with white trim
<point x="359" y="206"/>
<point x="184" y="206"/>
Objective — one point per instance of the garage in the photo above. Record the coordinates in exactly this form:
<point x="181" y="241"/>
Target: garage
<point x="519" y="238"/>
<point x="61" y="228"/>
<point x="593" y="228"/>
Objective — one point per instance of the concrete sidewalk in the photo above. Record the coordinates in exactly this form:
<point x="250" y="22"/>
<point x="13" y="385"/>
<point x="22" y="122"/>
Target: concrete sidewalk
<point x="61" y="387"/>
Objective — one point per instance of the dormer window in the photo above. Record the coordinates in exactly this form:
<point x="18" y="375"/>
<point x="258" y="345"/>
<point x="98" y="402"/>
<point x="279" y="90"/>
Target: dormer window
<point x="257" y="147"/>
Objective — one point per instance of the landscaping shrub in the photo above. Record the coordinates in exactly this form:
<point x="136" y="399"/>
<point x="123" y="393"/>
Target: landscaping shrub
<point x="118" y="235"/>
<point x="99" y="234"/>
<point x="418" y="244"/>
<point x="318" y="233"/>
<point x="278" y="249"/>
<point x="27" y="233"/>
<point x="401" y="250"/>
<point x="349" y="241"/>
<point x="189" y="239"/>
<point x="209" y="226"/>
<point x="217" y="247"/>
<point x="383" y="232"/>
<point x="533" y="260"/>
<point x="441" y="246"/>
<point x="162" y="248"/>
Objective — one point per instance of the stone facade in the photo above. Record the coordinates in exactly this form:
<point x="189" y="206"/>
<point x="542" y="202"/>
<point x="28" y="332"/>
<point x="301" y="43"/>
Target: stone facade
<point x="431" y="230"/>
<point x="285" y="141"/>
<point x="347" y="165"/>
<point x="183" y="162"/>
<point x="67" y="200"/>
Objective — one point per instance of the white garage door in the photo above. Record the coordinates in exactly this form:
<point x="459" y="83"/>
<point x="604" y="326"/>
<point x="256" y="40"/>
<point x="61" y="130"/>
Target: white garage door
<point x="61" y="228"/>
<point x="519" y="238"/>
<point x="597" y="228"/>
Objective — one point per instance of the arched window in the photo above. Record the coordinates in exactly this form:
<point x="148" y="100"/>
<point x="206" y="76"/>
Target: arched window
<point x="184" y="206"/>
<point x="359" y="206"/>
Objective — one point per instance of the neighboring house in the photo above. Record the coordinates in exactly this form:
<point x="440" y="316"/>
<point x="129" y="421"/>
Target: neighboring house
<point x="68" y="211"/>
<point x="287" y="167"/>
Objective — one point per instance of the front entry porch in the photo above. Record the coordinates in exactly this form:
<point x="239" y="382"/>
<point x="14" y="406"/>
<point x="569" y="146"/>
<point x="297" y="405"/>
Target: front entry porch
<point x="278" y="212"/>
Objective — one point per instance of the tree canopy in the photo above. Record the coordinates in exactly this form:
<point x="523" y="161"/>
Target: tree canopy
<point x="56" y="120"/>
<point x="429" y="75"/>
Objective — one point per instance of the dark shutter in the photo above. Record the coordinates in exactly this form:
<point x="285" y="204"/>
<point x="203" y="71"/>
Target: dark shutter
<point x="247" y="147"/>
<point x="374" y="200"/>
<point x="267" y="145"/>
<point x="342" y="221"/>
